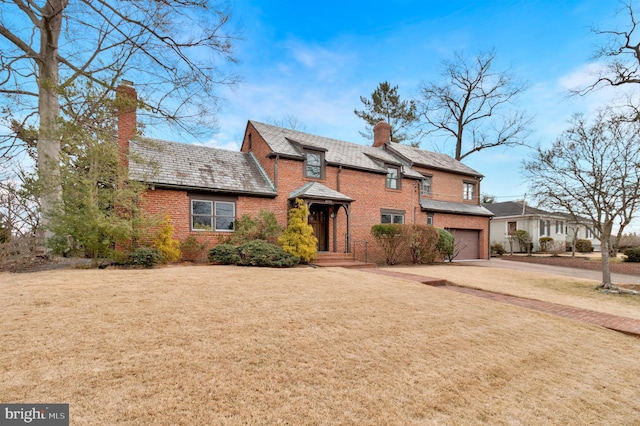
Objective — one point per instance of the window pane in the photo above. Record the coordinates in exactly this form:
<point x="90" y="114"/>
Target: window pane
<point x="314" y="166"/>
<point x="386" y="218"/>
<point x="225" y="209"/>
<point x="398" y="219"/>
<point x="224" y="224"/>
<point x="202" y="222"/>
<point x="426" y="186"/>
<point x="201" y="207"/>
<point x="392" y="177"/>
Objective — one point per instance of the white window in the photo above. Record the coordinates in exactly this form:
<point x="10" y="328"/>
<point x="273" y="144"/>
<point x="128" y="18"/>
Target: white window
<point x="430" y="219"/>
<point x="393" y="181"/>
<point x="208" y="215"/>
<point x="468" y="191"/>
<point x="559" y="227"/>
<point x="425" y="186"/>
<point x="545" y="227"/>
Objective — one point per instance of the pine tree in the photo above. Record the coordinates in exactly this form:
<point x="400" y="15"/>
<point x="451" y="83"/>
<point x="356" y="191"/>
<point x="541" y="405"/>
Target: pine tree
<point x="385" y="105"/>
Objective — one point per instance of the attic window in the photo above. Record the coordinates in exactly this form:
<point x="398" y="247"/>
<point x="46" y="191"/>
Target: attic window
<point x="314" y="164"/>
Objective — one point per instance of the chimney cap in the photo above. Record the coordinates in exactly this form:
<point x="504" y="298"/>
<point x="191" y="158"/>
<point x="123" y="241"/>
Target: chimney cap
<point x="127" y="83"/>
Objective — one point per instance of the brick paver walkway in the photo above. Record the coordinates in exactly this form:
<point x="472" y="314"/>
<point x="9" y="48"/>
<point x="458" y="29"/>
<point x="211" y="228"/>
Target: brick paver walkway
<point x="614" y="322"/>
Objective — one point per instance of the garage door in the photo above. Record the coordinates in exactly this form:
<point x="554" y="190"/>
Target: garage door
<point x="467" y="243"/>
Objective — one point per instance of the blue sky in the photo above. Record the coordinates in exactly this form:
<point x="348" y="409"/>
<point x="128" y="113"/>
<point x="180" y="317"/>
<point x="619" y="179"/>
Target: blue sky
<point x="312" y="60"/>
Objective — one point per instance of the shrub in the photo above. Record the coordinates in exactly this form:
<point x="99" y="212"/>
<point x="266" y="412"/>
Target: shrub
<point x="497" y="249"/>
<point x="224" y="254"/>
<point x="633" y="254"/>
<point x="192" y="249"/>
<point x="264" y="227"/>
<point x="523" y="239"/>
<point x="298" y="239"/>
<point x="446" y="244"/>
<point x="144" y="256"/>
<point x="263" y="253"/>
<point x="391" y="238"/>
<point x="422" y="241"/>
<point x="584" y="246"/>
<point x="546" y="244"/>
<point x="168" y="247"/>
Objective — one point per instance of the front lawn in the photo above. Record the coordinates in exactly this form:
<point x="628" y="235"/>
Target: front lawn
<point x="235" y="346"/>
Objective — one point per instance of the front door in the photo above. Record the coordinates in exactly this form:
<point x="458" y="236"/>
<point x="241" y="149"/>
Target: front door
<point x="318" y="215"/>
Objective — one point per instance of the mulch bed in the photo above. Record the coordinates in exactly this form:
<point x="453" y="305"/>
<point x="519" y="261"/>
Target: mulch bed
<point x="591" y="263"/>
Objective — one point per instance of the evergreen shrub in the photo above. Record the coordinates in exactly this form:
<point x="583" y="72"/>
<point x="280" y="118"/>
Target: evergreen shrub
<point x="633" y="254"/>
<point x="584" y="246"/>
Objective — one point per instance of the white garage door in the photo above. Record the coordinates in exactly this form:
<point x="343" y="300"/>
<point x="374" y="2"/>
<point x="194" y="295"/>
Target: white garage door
<point x="467" y="243"/>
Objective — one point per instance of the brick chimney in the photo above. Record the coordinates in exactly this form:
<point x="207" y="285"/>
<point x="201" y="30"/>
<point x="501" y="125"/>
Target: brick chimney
<point x="126" y="97"/>
<point x="381" y="134"/>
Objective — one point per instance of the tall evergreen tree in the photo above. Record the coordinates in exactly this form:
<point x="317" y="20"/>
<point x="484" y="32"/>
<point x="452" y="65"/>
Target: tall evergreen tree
<point x="385" y="105"/>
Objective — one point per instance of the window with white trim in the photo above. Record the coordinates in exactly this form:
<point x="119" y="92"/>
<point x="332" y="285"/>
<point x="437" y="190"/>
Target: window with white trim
<point x="393" y="177"/>
<point x="425" y="186"/>
<point x="430" y="219"/>
<point x="210" y="215"/>
<point x="468" y="191"/>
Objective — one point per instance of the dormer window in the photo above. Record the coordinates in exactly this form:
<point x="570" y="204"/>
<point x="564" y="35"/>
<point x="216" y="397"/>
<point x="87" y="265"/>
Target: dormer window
<point x="425" y="186"/>
<point x="393" y="177"/>
<point x="314" y="164"/>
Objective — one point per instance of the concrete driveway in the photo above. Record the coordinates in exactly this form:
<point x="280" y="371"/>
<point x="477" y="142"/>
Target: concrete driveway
<point x="556" y="270"/>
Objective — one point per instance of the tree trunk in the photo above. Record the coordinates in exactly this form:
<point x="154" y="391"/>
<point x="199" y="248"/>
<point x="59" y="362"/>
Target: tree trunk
<point x="606" y="271"/>
<point x="48" y="146"/>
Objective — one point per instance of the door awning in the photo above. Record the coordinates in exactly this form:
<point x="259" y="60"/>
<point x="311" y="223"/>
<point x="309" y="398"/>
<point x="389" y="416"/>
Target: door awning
<point x="317" y="191"/>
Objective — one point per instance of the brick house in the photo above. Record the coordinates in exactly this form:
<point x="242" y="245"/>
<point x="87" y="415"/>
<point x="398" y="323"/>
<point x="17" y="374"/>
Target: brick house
<point x="348" y="187"/>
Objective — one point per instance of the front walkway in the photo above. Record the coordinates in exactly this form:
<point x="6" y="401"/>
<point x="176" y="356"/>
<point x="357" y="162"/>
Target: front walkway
<point x="613" y="322"/>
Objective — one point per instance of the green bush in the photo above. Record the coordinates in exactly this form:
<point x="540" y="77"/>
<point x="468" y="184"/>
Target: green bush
<point x="584" y="246"/>
<point x="633" y="254"/>
<point x="523" y="239"/>
<point x="391" y="238"/>
<point x="263" y="253"/>
<point x="144" y="256"/>
<point x="446" y="244"/>
<point x="497" y="249"/>
<point x="224" y="254"/>
<point x="546" y="244"/>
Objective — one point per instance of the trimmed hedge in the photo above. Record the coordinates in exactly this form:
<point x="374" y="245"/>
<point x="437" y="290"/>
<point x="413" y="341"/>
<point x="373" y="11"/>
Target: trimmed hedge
<point x="584" y="246"/>
<point x="633" y="254"/>
<point x="253" y="253"/>
<point x="144" y="256"/>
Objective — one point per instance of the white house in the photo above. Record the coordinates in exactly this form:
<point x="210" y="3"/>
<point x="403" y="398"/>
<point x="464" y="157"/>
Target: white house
<point x="511" y="216"/>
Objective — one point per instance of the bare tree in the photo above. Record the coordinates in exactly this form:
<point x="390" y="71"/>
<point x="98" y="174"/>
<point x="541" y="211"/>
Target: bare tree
<point x="472" y="105"/>
<point x="619" y="55"/>
<point x="592" y="171"/>
<point x="172" y="49"/>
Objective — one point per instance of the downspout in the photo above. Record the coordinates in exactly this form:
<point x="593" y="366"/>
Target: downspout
<point x="335" y="213"/>
<point x="275" y="173"/>
<point x="338" y="178"/>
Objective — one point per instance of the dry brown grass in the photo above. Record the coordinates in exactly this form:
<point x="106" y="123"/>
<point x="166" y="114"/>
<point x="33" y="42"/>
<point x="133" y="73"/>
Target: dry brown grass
<point x="234" y="346"/>
<point x="564" y="290"/>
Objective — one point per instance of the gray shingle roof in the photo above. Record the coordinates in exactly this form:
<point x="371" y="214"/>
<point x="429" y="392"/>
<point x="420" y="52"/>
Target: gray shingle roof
<point x="513" y="208"/>
<point x="188" y="166"/>
<point x="340" y="153"/>
<point x="449" y="207"/>
<point x="318" y="191"/>
<point x="421" y="157"/>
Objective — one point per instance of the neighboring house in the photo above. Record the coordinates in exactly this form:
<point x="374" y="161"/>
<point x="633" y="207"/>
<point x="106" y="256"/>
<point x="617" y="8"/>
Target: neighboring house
<point x="348" y="187"/>
<point x="511" y="216"/>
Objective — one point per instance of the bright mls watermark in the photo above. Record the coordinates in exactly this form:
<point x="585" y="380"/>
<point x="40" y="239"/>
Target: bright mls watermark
<point x="34" y="414"/>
